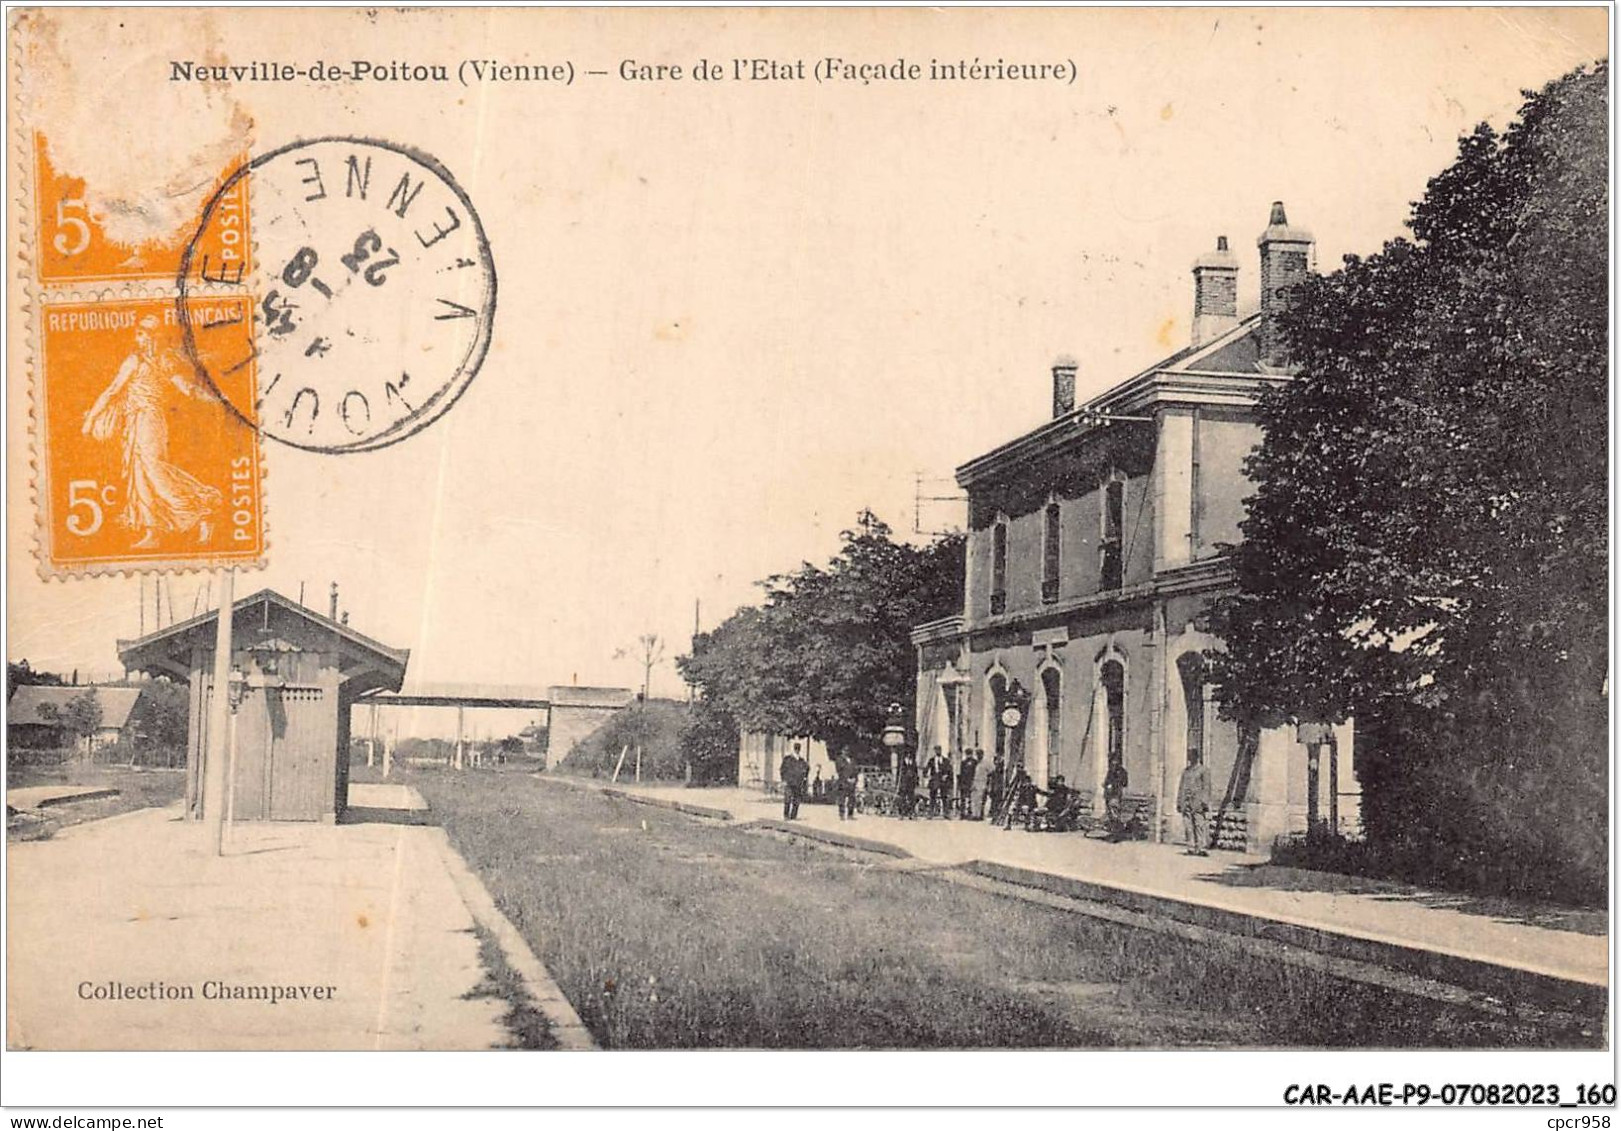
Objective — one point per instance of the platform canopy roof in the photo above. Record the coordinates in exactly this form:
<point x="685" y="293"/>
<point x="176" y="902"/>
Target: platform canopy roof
<point x="268" y="620"/>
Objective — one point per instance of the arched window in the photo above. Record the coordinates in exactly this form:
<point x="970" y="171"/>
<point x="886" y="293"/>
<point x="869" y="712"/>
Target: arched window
<point x="998" y="693"/>
<point x="1052" y="690"/>
<point x="1051" y="550"/>
<point x="1114" y="690"/>
<point x="1191" y="668"/>
<point x="999" y="567"/>
<point x="1112" y="558"/>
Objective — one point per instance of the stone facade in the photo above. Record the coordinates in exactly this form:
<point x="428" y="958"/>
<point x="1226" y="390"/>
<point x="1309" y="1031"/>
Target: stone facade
<point x="1093" y="557"/>
<point x="577" y="713"/>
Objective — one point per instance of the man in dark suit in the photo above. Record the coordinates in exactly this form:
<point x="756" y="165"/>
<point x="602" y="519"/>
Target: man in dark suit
<point x="938" y="772"/>
<point x="906" y="787"/>
<point x="847" y="771"/>
<point x="795" y="769"/>
<point x="965" y="785"/>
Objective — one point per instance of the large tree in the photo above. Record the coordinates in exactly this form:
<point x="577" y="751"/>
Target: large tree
<point x="830" y="649"/>
<point x="1427" y="546"/>
<point x="21" y="674"/>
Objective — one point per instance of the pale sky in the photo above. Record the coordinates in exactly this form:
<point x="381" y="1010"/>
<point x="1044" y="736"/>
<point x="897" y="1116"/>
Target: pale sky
<point x="733" y="315"/>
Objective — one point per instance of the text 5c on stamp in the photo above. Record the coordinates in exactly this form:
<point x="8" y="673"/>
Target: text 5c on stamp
<point x="142" y="464"/>
<point x="74" y="240"/>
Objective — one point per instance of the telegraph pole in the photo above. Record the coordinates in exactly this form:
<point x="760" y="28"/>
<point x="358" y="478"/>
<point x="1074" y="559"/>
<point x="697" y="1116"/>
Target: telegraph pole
<point x="219" y="720"/>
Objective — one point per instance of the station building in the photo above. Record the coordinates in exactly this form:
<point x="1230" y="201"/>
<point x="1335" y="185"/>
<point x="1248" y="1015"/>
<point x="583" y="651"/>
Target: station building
<point x="1093" y="557"/>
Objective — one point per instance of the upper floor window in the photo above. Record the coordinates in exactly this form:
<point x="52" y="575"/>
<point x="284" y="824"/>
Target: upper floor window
<point x="1195" y="490"/>
<point x="1051" y="551"/>
<point x="1112" y="551"/>
<point x="999" y="567"/>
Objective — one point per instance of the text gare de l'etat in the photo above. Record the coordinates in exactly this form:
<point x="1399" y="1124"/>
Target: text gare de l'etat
<point x="474" y="72"/>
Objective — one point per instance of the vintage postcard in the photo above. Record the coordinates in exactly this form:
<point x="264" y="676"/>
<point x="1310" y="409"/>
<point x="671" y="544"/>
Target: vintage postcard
<point x="817" y="530"/>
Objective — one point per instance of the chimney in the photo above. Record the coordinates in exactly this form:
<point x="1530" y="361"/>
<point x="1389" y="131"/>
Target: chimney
<point x="1215" y="293"/>
<point x="1063" y="386"/>
<point x="332" y="609"/>
<point x="1286" y="260"/>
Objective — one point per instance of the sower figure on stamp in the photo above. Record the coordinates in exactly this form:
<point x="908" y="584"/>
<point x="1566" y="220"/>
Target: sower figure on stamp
<point x="847" y="771"/>
<point x="794" y="770"/>
<point x="1193" y="802"/>
<point x="158" y="496"/>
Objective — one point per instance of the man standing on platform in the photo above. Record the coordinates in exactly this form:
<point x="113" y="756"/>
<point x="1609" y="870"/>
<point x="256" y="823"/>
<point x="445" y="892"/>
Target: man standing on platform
<point x="1114" y="799"/>
<point x="965" y="785"/>
<point x="906" y="787"/>
<point x="996" y="787"/>
<point x="939" y="774"/>
<point x="1193" y="802"/>
<point x="794" y="771"/>
<point x="847" y="771"/>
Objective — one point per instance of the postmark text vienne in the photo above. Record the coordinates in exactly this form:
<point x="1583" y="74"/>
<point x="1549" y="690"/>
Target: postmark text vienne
<point x="373" y="292"/>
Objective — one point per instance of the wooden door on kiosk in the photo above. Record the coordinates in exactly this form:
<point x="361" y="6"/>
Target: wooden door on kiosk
<point x="286" y="739"/>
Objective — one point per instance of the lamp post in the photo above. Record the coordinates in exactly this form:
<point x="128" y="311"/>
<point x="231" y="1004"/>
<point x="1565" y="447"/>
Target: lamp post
<point x="1015" y="702"/>
<point x="238" y="685"/>
<point x="219" y="714"/>
<point x="894" y="735"/>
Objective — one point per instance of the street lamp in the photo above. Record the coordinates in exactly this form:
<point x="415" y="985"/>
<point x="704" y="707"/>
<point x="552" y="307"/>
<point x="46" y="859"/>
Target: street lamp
<point x="894" y="734"/>
<point x="237" y="687"/>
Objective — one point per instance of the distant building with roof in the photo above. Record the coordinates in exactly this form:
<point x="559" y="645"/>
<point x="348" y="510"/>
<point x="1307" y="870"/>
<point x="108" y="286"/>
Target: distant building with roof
<point x="35" y="715"/>
<point x="1094" y="553"/>
<point x="577" y="712"/>
<point x="295" y="677"/>
<point x="760" y="754"/>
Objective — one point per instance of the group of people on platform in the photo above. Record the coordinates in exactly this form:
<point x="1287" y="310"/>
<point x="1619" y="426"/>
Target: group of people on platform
<point x="795" y="775"/>
<point x="998" y="795"/>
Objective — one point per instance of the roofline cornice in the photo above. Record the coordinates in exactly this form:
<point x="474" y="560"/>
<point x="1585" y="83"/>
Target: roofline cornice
<point x="1205" y="576"/>
<point x="1150" y="392"/>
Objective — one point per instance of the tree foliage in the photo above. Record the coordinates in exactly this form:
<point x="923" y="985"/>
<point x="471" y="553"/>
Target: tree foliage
<point x="709" y="744"/>
<point x="80" y="717"/>
<point x="166" y="718"/>
<point x="653" y="725"/>
<point x="830" y="648"/>
<point x="1427" y="546"/>
<point x="21" y="674"/>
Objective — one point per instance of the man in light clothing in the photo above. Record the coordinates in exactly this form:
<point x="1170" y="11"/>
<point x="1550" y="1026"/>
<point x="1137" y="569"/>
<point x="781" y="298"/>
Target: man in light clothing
<point x="1193" y="802"/>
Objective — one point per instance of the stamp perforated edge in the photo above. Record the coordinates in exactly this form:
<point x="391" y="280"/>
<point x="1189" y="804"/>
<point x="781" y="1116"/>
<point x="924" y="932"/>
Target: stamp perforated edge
<point x="197" y="563"/>
<point x="21" y="127"/>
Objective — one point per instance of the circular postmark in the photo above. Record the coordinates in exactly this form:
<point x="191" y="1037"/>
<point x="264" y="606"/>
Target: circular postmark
<point x="372" y="292"/>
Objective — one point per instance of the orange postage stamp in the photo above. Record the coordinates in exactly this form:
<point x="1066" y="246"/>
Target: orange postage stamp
<point x="76" y="241"/>
<point x="142" y="464"/>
